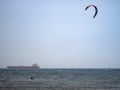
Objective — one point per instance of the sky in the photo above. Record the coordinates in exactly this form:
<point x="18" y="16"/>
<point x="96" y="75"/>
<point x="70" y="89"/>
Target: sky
<point x="60" y="33"/>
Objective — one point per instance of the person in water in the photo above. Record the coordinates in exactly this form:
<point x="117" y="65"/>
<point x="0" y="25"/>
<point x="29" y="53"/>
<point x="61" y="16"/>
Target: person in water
<point x="31" y="78"/>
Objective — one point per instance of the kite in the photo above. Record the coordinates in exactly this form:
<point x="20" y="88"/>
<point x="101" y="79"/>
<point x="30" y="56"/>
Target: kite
<point x="96" y="10"/>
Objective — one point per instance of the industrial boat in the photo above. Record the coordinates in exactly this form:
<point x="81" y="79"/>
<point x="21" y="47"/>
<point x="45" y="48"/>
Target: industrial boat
<point x="34" y="66"/>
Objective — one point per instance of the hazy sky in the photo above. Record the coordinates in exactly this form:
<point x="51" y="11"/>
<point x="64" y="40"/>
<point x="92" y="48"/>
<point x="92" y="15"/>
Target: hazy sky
<point x="60" y="33"/>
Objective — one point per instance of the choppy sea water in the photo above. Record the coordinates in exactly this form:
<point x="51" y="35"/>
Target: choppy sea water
<point x="60" y="79"/>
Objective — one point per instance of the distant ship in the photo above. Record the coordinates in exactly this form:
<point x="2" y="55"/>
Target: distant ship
<point x="34" y="66"/>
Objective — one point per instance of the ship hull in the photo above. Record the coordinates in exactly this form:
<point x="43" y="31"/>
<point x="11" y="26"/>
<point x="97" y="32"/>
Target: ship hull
<point x="22" y="67"/>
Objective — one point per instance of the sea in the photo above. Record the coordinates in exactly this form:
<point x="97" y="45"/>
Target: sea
<point x="59" y="79"/>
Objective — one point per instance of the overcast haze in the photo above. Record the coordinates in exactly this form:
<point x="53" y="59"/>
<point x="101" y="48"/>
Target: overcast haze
<point x="60" y="33"/>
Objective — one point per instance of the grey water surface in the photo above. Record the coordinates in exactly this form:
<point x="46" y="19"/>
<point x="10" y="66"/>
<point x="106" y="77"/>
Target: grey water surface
<point x="60" y="79"/>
